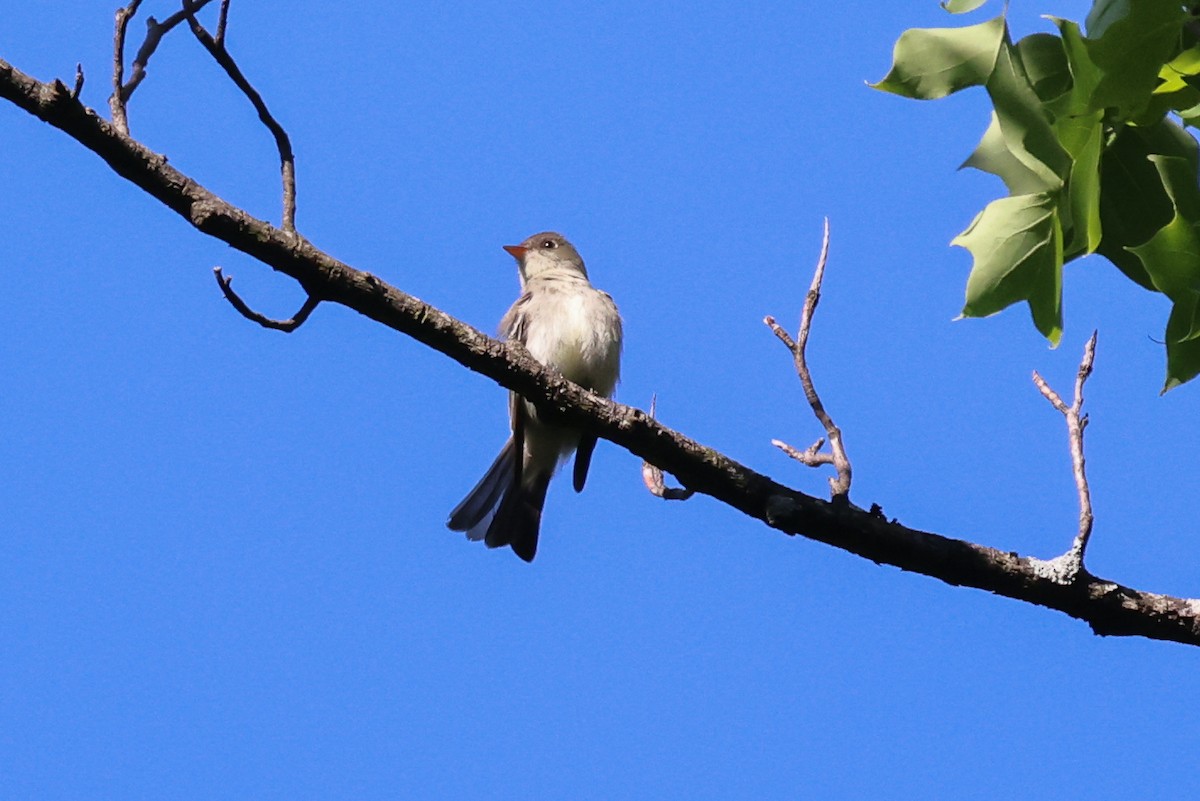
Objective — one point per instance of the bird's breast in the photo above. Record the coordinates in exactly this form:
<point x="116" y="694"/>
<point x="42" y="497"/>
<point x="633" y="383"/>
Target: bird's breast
<point x="578" y="334"/>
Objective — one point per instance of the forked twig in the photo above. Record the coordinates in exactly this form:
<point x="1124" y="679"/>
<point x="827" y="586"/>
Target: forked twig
<point x="652" y="476"/>
<point x="216" y="48"/>
<point x="287" y="326"/>
<point x="155" y="31"/>
<point x="812" y="456"/>
<point x="122" y="91"/>
<point x="1072" y="561"/>
<point x="116" y="103"/>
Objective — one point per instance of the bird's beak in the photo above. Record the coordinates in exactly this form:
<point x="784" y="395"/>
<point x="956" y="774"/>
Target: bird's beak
<point x="516" y="251"/>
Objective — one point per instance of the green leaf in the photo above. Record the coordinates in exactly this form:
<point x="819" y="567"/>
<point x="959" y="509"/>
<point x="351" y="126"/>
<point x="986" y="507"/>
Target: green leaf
<point x="1184" y="322"/>
<point x="1172" y="256"/>
<point x="1171" y="76"/>
<point x="928" y="63"/>
<point x="1183" y="363"/>
<point x="1134" y="204"/>
<point x="1079" y="131"/>
<point x="1103" y="14"/>
<point x="1158" y="106"/>
<point x="1045" y="64"/>
<point x="1166" y="258"/>
<point x="1086" y="142"/>
<point x="1191" y="115"/>
<point x="993" y="156"/>
<point x="1131" y="43"/>
<point x="1085" y="75"/>
<point x="1016" y="246"/>
<point x="961" y="6"/>
<point x="1024" y="122"/>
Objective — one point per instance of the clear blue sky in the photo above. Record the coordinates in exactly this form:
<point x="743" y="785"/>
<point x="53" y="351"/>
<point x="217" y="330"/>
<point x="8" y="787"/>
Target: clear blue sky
<point x="223" y="566"/>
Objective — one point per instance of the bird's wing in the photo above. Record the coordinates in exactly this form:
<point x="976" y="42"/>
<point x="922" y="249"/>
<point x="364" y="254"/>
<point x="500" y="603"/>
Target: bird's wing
<point x="517" y="412"/>
<point x="514" y="327"/>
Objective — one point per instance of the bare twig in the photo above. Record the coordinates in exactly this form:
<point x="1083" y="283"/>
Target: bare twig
<point x="839" y="486"/>
<point x="155" y="31"/>
<point x="287" y="161"/>
<point x="222" y="18"/>
<point x="287" y="326"/>
<point x="811" y="456"/>
<point x="78" y="87"/>
<point x="652" y="476"/>
<point x="1071" y="563"/>
<point x="116" y="103"/>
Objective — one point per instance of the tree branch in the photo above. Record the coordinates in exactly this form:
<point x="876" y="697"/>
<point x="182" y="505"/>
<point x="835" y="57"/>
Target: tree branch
<point x="222" y="18"/>
<point x="283" y="144"/>
<point x="1107" y="607"/>
<point x="286" y="326"/>
<point x="116" y="103"/>
<point x="155" y="31"/>
<point x="1071" y="562"/>
<point x="812" y="457"/>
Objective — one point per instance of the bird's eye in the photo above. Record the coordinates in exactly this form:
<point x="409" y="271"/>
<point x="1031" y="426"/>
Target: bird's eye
<point x="549" y="244"/>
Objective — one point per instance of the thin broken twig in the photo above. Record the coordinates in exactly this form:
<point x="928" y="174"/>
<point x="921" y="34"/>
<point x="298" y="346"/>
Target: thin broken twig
<point x="287" y="326"/>
<point x="652" y="476"/>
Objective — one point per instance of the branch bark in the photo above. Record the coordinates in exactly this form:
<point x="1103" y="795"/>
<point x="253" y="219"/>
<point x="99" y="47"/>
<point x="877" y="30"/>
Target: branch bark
<point x="1109" y="608"/>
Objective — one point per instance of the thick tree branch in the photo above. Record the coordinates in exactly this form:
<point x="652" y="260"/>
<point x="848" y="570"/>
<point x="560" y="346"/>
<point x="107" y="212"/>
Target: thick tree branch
<point x="1107" y="607"/>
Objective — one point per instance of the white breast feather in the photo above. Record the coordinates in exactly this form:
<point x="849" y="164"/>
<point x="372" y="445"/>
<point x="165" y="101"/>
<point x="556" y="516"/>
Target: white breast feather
<point x="571" y="343"/>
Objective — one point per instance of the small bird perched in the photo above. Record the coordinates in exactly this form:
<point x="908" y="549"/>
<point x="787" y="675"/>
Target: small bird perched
<point x="565" y="323"/>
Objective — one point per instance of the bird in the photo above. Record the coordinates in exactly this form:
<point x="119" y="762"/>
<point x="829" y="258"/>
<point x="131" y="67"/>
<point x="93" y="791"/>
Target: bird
<point x="568" y="325"/>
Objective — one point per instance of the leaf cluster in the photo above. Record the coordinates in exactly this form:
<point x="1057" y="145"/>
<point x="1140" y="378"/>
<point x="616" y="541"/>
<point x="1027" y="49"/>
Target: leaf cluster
<point x="1088" y="134"/>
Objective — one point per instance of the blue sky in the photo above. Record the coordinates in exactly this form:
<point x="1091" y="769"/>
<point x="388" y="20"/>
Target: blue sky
<point x="223" y="566"/>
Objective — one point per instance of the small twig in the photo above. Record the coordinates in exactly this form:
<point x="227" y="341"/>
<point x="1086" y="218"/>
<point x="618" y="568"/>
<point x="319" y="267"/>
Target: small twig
<point x="75" y="90"/>
<point x="222" y="18"/>
<point x="811" y="456"/>
<point x="287" y="161"/>
<point x="1077" y="422"/>
<point x="652" y="476"/>
<point x="287" y="326"/>
<point x="839" y="486"/>
<point x="116" y="103"/>
<point x="155" y="31"/>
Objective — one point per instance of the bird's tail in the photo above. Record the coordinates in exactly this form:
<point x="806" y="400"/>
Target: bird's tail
<point x="519" y="516"/>
<point x="484" y="496"/>
<point x="499" y="511"/>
